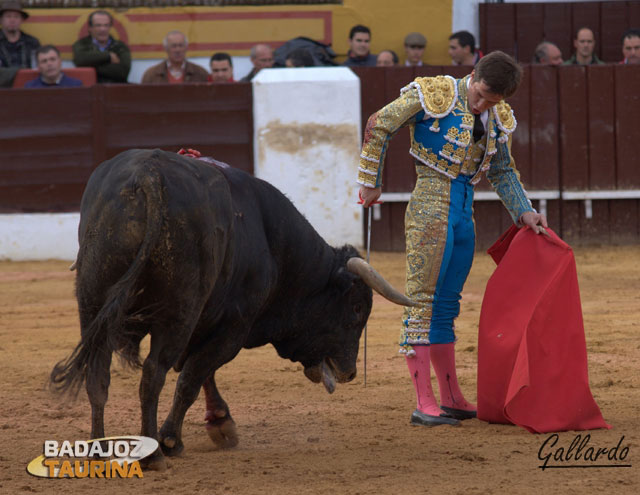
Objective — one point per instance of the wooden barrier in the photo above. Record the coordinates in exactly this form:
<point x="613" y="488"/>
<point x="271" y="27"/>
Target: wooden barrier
<point x="577" y="139"/>
<point x="517" y="28"/>
<point x="54" y="138"/>
<point x="575" y="135"/>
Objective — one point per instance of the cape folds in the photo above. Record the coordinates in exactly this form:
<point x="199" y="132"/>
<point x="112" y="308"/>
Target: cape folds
<point x="532" y="355"/>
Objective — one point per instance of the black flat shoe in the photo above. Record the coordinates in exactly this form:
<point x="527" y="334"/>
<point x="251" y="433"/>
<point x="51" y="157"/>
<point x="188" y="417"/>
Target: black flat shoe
<point x="460" y="414"/>
<point x="420" y="418"/>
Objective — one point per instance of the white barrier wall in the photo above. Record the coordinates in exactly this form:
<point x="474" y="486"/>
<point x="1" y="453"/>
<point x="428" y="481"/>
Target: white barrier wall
<point x="39" y="236"/>
<point x="307" y="142"/>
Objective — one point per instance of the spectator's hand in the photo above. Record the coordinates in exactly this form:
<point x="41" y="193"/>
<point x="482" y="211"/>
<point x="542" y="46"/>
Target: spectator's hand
<point x="114" y="58"/>
<point x="369" y="195"/>
<point x="537" y="222"/>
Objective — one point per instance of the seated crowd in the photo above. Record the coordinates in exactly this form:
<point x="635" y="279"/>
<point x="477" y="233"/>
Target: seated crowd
<point x="111" y="58"/>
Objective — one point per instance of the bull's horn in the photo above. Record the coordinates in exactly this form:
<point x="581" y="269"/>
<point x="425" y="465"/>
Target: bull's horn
<point x="374" y="280"/>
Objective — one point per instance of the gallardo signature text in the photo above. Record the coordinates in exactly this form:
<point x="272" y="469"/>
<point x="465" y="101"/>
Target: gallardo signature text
<point x="579" y="454"/>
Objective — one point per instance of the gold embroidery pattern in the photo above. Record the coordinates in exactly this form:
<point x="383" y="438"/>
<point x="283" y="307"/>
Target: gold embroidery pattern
<point x="427" y="157"/>
<point x="439" y="93"/>
<point x="467" y="121"/>
<point x="380" y="127"/>
<point x="425" y="222"/>
<point x="452" y="134"/>
<point x="474" y="156"/>
<point x="505" y="120"/>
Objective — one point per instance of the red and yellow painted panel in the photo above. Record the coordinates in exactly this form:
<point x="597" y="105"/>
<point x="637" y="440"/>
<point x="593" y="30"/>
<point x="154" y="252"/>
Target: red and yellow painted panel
<point x="236" y="29"/>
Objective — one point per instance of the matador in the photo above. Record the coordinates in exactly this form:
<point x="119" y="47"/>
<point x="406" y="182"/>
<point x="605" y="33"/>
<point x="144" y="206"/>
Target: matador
<point x="460" y="129"/>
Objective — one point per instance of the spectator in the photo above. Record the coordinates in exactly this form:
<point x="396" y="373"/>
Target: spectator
<point x="462" y="49"/>
<point x="261" y="58"/>
<point x="300" y="57"/>
<point x="584" y="43"/>
<point x="110" y="57"/>
<point x="359" y="41"/>
<point x="221" y="68"/>
<point x="547" y="53"/>
<point x="176" y="69"/>
<point x="17" y="49"/>
<point x="50" y="68"/>
<point x="414" y="45"/>
<point x="387" y="58"/>
<point x="631" y="46"/>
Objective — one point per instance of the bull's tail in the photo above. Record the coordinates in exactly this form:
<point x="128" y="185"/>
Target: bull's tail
<point x="106" y="332"/>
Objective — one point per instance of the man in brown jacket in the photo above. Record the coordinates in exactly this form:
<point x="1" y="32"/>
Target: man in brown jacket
<point x="176" y="69"/>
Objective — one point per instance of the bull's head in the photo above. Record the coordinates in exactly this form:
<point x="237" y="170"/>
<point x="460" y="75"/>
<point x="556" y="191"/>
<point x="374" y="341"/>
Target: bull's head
<point x="331" y="357"/>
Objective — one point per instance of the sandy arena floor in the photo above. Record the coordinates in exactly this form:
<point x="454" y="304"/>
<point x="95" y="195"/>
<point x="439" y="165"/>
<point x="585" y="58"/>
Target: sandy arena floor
<point x="294" y="437"/>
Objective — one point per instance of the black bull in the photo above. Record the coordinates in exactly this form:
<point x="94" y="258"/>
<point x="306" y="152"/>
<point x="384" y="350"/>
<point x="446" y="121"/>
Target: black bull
<point x="206" y="260"/>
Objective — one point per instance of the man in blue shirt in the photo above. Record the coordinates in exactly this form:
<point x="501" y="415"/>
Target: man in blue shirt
<point x="50" y="67"/>
<point x="359" y="42"/>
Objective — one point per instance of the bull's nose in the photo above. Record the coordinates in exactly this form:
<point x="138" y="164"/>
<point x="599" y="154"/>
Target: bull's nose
<point x="352" y="375"/>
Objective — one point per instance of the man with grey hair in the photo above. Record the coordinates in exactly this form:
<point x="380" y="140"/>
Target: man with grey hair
<point x="547" y="53"/>
<point x="176" y="69"/>
<point x="262" y="58"/>
<point x="111" y="58"/>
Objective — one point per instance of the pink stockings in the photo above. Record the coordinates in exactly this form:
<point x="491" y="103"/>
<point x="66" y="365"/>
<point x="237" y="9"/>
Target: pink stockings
<point x="443" y="358"/>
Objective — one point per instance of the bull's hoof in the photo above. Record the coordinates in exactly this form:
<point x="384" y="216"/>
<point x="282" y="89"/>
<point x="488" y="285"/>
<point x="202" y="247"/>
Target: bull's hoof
<point x="222" y="432"/>
<point x="155" y="462"/>
<point x="171" y="446"/>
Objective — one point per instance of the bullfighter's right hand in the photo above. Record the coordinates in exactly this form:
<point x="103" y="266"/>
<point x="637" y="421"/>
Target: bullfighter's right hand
<point x="369" y="195"/>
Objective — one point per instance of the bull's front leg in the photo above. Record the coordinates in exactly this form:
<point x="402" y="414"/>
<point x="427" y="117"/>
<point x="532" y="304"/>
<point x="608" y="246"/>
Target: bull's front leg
<point x="198" y="371"/>
<point x="220" y="425"/>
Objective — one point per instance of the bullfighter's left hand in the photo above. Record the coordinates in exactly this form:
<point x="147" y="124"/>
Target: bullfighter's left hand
<point x="537" y="222"/>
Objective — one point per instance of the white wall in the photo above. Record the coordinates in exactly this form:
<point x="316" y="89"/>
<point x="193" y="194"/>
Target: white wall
<point x="307" y="143"/>
<point x="39" y="236"/>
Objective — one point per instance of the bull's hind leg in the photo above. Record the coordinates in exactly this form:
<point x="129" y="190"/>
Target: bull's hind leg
<point x="98" y="379"/>
<point x="98" y="374"/>
<point x="167" y="343"/>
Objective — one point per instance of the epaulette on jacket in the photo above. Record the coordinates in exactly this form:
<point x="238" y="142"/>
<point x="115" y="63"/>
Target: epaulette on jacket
<point x="438" y="95"/>
<point x="505" y="120"/>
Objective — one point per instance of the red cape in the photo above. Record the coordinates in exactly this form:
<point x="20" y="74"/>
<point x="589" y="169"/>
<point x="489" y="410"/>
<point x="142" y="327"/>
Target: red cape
<point x="532" y="354"/>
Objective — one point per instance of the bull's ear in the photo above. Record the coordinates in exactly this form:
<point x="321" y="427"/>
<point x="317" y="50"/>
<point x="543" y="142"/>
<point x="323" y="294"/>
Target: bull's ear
<point x="344" y="280"/>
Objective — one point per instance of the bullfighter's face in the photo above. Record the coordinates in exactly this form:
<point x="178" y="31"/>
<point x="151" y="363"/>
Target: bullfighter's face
<point x="480" y="97"/>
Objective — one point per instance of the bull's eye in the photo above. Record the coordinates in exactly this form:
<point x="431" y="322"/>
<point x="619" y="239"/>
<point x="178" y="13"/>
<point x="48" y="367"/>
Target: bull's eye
<point x="357" y="308"/>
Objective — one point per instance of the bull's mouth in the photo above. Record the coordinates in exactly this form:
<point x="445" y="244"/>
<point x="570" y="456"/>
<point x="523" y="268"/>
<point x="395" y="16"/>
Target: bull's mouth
<point x="328" y="373"/>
